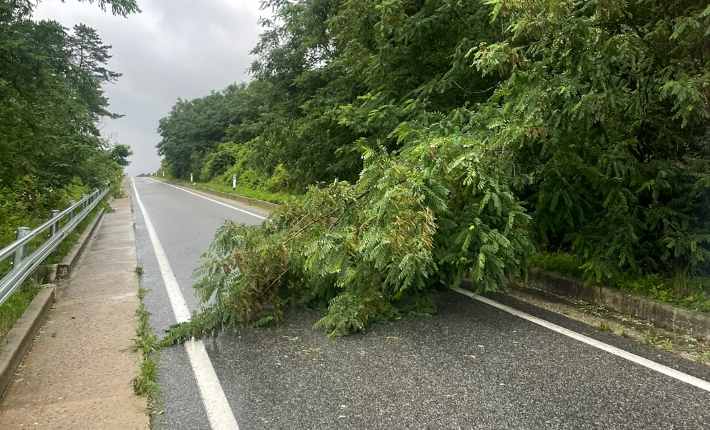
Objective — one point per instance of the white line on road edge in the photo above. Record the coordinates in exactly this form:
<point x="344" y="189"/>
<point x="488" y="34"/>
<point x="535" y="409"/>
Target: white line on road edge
<point x="212" y="200"/>
<point x="218" y="411"/>
<point x="692" y="380"/>
<point x="697" y="382"/>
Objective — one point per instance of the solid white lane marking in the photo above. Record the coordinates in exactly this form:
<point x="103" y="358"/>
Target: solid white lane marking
<point x="673" y="373"/>
<point x="216" y="405"/>
<point x="212" y="200"/>
<point x="688" y="379"/>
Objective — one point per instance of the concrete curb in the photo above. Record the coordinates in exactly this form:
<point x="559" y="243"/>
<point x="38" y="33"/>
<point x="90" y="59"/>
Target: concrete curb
<point x="20" y="337"/>
<point x="69" y="262"/>
<point x="241" y="199"/>
<point x="660" y="314"/>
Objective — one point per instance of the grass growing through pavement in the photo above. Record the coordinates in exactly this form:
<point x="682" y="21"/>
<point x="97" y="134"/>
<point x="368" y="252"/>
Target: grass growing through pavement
<point x="14" y="307"/>
<point x="147" y="343"/>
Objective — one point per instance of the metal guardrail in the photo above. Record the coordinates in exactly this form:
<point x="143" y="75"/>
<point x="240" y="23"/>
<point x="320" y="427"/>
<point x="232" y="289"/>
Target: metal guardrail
<point x="23" y="264"/>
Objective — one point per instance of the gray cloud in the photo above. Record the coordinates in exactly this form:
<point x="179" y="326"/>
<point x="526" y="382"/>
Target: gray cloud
<point x="174" y="49"/>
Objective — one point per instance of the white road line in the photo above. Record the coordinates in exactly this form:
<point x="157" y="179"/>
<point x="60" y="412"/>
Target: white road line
<point x="212" y="200"/>
<point x="688" y="379"/>
<point x="692" y="380"/>
<point x="216" y="405"/>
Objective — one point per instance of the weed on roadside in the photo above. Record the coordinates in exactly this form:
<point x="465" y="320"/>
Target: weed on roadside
<point x="603" y="326"/>
<point x="147" y="343"/>
<point x="690" y="340"/>
<point x="657" y="341"/>
<point x="138" y="271"/>
<point x="119" y="193"/>
<point x="14" y="307"/>
<point x="651" y="339"/>
<point x="592" y="309"/>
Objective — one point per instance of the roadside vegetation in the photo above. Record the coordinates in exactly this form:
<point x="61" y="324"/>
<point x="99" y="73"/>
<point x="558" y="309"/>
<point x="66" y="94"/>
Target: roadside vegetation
<point x="267" y="196"/>
<point x="14" y="307"/>
<point x="51" y="81"/>
<point x="440" y="139"/>
<point x="147" y="344"/>
<point x="51" y="148"/>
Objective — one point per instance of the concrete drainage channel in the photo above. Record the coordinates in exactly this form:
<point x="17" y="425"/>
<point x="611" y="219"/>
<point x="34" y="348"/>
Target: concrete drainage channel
<point x="19" y="340"/>
<point x="660" y="314"/>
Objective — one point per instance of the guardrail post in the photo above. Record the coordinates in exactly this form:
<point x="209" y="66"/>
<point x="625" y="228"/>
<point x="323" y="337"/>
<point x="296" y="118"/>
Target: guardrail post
<point x="83" y="201"/>
<point x="22" y="252"/>
<point x="71" y="212"/>
<point x="54" y="227"/>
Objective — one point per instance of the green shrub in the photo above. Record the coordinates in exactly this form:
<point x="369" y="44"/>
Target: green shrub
<point x="411" y="221"/>
<point x="564" y="263"/>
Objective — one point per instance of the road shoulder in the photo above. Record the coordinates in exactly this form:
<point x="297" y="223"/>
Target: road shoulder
<point x="257" y="207"/>
<point x="77" y="374"/>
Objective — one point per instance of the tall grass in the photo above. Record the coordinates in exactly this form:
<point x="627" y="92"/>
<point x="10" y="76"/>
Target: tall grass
<point x="14" y="307"/>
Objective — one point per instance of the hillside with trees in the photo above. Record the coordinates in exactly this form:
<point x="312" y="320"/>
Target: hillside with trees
<point x="51" y="87"/>
<point x="433" y="140"/>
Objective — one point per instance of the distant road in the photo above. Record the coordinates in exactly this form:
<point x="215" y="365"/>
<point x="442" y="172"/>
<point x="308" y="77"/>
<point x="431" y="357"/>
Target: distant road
<point x="470" y="366"/>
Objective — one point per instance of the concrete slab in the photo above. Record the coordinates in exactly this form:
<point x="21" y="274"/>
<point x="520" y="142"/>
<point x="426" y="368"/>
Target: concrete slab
<point x="112" y="245"/>
<point x="90" y="291"/>
<point x="99" y="257"/>
<point x="112" y="236"/>
<point x="97" y="413"/>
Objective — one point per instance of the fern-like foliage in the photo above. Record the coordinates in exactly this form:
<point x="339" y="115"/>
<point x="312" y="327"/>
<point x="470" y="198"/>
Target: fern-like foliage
<point x="441" y="208"/>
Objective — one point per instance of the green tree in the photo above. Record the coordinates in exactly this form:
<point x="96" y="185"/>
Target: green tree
<point x="410" y="221"/>
<point x="120" y="154"/>
<point x="605" y="104"/>
<point x="478" y="128"/>
<point x="51" y="101"/>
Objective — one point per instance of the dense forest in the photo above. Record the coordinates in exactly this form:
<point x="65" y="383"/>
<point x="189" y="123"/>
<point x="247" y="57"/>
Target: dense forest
<point x="51" y="146"/>
<point x="433" y="140"/>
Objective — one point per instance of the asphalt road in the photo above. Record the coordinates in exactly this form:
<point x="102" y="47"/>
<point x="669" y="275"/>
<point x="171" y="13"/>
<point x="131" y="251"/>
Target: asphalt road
<point x="469" y="366"/>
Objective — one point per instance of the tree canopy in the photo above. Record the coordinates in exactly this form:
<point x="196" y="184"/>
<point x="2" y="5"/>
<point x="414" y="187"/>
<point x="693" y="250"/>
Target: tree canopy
<point x="51" y="81"/>
<point x="442" y="138"/>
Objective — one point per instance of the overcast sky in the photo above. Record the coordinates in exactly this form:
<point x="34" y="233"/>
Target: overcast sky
<point x="174" y="48"/>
